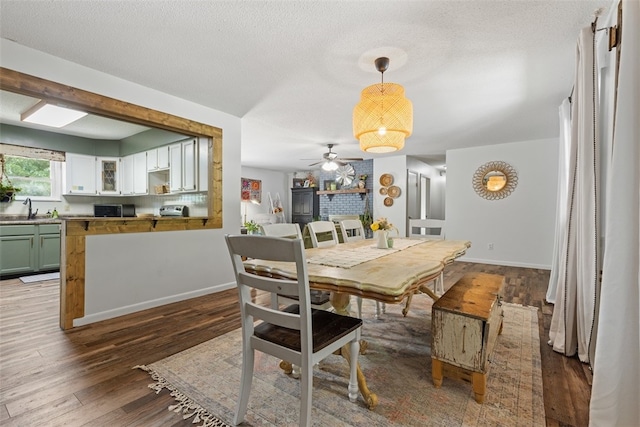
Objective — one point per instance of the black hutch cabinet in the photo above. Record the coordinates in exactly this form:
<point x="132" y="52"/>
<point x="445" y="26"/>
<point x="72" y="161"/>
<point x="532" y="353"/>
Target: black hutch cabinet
<point x="305" y="205"/>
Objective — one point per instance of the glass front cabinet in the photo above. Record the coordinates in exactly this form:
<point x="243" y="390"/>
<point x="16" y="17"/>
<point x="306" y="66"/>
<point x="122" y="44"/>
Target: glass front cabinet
<point x="108" y="175"/>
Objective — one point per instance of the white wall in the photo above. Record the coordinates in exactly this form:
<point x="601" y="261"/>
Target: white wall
<point x="521" y="227"/>
<point x="273" y="182"/>
<point x="155" y="268"/>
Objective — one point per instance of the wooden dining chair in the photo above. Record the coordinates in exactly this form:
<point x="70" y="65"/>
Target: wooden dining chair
<point x="323" y="234"/>
<point x="319" y="299"/>
<point x="433" y="230"/>
<point x="298" y="334"/>
<point x="353" y="230"/>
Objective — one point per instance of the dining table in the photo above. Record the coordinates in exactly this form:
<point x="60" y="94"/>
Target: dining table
<point x="389" y="275"/>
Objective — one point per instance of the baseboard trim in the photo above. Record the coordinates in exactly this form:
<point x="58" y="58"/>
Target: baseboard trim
<point x="505" y="263"/>
<point x="110" y="314"/>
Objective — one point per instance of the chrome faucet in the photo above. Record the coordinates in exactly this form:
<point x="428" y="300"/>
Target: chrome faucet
<point x="30" y="214"/>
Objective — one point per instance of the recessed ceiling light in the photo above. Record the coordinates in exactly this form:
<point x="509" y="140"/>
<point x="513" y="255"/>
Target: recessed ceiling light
<point x="51" y="115"/>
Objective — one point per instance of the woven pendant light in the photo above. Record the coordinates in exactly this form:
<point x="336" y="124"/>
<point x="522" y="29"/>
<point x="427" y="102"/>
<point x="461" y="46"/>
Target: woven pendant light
<point x="384" y="117"/>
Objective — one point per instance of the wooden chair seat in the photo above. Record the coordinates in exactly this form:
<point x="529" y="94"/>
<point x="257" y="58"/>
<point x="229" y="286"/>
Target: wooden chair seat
<point x="327" y="327"/>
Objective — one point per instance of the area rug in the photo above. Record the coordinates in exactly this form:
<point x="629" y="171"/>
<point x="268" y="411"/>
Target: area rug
<point x="205" y="379"/>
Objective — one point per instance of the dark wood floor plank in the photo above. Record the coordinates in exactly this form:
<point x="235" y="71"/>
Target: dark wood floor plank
<point x="85" y="377"/>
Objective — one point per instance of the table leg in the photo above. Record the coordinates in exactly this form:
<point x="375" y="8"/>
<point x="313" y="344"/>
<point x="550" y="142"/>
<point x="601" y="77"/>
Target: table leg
<point x="340" y="302"/>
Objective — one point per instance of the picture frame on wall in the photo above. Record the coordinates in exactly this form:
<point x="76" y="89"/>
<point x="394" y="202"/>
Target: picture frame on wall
<point x="251" y="190"/>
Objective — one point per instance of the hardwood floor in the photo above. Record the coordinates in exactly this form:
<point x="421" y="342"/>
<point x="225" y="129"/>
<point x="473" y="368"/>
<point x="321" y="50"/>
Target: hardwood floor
<point x="49" y="377"/>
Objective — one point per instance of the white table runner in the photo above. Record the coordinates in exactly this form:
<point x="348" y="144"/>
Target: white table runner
<point x="340" y="258"/>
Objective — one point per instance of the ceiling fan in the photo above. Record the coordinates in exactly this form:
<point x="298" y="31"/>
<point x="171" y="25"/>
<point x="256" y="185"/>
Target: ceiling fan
<point x="330" y="161"/>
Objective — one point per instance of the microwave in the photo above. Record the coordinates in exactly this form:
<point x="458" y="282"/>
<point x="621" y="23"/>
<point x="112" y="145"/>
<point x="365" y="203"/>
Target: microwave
<point x="114" y="210"/>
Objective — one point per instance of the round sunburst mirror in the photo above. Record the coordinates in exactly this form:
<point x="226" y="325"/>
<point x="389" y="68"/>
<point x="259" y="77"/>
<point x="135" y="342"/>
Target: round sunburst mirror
<point x="495" y="180"/>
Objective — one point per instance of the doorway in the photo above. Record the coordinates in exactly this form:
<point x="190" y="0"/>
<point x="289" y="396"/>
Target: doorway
<point x="418" y="197"/>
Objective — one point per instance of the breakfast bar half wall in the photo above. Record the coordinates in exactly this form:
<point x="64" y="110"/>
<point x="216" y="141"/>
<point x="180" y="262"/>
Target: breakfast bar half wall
<point x="96" y="246"/>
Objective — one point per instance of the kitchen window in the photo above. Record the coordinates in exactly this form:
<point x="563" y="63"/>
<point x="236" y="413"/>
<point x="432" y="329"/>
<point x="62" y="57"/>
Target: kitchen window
<point x="37" y="172"/>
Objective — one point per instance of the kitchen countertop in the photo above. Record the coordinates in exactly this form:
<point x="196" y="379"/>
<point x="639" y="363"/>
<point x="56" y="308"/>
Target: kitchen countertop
<point x="22" y="220"/>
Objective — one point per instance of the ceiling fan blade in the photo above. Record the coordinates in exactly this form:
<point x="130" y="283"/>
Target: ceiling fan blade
<point x="359" y="159"/>
<point x="316" y="163"/>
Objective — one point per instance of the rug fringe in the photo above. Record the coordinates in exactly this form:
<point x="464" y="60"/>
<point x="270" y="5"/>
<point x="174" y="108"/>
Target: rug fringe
<point x="184" y="404"/>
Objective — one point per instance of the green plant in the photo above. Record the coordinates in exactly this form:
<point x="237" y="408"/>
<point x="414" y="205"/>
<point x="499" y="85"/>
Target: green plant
<point x="251" y="226"/>
<point x="7" y="189"/>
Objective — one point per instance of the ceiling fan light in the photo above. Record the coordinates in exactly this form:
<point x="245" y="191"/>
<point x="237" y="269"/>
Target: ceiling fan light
<point x="383" y="118"/>
<point x="330" y="166"/>
<point x="51" y="115"/>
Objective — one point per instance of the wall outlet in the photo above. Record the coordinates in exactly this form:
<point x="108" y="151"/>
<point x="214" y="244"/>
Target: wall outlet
<point x="490" y="246"/>
<point x="67" y="208"/>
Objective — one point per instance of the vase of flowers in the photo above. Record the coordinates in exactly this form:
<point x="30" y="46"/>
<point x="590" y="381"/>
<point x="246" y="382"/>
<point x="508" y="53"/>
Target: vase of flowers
<point x="381" y="227"/>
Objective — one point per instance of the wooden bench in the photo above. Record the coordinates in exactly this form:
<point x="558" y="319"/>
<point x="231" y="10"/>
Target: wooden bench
<point x="466" y="322"/>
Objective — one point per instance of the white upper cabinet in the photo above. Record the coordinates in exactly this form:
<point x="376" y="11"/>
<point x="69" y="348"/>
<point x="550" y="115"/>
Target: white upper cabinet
<point x="80" y="174"/>
<point x="183" y="166"/>
<point x="140" y="176"/>
<point x="127" y="175"/>
<point x="108" y="175"/>
<point x="158" y="159"/>
<point x="178" y="164"/>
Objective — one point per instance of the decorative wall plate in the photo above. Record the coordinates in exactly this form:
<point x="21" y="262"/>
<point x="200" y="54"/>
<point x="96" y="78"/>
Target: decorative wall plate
<point x="386" y="179"/>
<point x="345" y="175"/>
<point x="383" y="191"/>
<point x="393" y="191"/>
<point x="388" y="201"/>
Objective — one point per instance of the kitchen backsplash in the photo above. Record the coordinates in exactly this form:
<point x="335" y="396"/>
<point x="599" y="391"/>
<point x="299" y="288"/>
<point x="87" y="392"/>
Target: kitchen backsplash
<point x="83" y="205"/>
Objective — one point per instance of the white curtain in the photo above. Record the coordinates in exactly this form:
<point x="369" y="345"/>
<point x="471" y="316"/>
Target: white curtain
<point x="573" y="314"/>
<point x="559" y="245"/>
<point x="615" y="395"/>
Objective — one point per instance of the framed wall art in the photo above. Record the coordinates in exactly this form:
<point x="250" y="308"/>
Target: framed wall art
<point x="251" y="190"/>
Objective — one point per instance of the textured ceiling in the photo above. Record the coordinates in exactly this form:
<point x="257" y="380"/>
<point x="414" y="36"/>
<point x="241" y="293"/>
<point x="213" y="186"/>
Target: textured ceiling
<point x="478" y="72"/>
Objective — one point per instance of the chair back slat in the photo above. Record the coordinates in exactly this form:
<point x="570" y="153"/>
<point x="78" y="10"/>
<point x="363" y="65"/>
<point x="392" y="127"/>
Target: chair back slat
<point x="256" y="246"/>
<point x="323" y="227"/>
<point x="275" y="317"/>
<point x="291" y="231"/>
<point x="269" y="284"/>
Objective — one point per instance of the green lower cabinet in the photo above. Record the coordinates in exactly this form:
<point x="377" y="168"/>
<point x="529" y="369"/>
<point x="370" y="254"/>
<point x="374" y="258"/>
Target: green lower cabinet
<point x="29" y="248"/>
<point x="49" y="252"/>
<point x="17" y="254"/>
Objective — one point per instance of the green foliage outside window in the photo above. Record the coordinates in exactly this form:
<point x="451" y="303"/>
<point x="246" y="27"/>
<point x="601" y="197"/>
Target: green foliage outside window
<point x="32" y="176"/>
